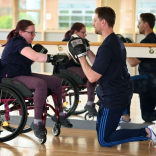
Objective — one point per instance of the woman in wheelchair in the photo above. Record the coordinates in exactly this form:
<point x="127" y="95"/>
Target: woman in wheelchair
<point x="17" y="58"/>
<point x="80" y="30"/>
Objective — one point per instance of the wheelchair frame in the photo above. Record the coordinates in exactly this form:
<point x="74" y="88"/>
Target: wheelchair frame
<point x="79" y="86"/>
<point x="16" y="98"/>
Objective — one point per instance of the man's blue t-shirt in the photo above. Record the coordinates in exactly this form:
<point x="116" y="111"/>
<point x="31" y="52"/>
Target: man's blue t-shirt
<point x="12" y="62"/>
<point x="110" y="62"/>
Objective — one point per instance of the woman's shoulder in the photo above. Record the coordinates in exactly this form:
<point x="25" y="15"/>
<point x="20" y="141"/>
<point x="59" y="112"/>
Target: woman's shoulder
<point x="18" y="40"/>
<point x="67" y="38"/>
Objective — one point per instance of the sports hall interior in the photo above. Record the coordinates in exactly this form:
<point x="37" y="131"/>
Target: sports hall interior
<point x="51" y="26"/>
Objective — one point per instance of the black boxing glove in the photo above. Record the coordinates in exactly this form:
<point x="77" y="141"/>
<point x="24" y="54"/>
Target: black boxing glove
<point x="39" y="48"/>
<point x="60" y="58"/>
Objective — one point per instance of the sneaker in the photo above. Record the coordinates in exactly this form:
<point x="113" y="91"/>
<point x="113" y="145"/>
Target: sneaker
<point x="123" y="121"/>
<point x="39" y="130"/>
<point x="152" y="129"/>
<point x="98" y="103"/>
<point x="91" y="109"/>
<point x="119" y="126"/>
<point x="63" y="120"/>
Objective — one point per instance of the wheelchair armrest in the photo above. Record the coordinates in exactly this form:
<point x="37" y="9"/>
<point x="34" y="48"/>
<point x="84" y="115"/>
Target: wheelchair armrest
<point x="18" y="85"/>
<point x="77" y="79"/>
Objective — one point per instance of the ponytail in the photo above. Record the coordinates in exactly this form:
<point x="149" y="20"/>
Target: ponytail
<point x="12" y="34"/>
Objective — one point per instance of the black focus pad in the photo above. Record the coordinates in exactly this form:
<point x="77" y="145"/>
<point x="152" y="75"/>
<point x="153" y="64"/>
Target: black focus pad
<point x="61" y="58"/>
<point x="39" y="48"/>
<point x="87" y="44"/>
<point x="76" y="47"/>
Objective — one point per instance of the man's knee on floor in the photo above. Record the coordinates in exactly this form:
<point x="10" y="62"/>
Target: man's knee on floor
<point x="103" y="143"/>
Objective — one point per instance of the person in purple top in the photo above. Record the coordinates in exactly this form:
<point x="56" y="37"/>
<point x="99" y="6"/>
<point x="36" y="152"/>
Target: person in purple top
<point x="80" y="30"/>
<point x="16" y="60"/>
<point x="110" y="70"/>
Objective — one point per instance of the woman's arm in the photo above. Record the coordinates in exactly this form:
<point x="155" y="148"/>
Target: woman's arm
<point x="33" y="55"/>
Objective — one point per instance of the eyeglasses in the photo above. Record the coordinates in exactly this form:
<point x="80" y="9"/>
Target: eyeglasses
<point x="84" y="33"/>
<point x="32" y="32"/>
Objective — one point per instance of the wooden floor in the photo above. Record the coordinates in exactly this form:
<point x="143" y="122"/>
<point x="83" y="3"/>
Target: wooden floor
<point x="75" y="142"/>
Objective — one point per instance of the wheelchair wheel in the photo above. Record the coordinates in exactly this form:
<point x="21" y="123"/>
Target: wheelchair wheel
<point x="82" y="100"/>
<point x="56" y="130"/>
<point x="70" y="96"/>
<point x="12" y="114"/>
<point x="42" y="141"/>
<point x="89" y="117"/>
<point x="81" y="111"/>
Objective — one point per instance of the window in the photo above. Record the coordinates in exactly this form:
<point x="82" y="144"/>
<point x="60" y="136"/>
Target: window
<point x="31" y="10"/>
<point x="144" y="6"/>
<point x="67" y="12"/>
<point x="6" y="14"/>
<point x="126" y="16"/>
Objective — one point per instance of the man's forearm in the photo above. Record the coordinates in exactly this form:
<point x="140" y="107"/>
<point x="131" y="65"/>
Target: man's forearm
<point x="90" y="74"/>
<point x="133" y="61"/>
<point x="91" y="56"/>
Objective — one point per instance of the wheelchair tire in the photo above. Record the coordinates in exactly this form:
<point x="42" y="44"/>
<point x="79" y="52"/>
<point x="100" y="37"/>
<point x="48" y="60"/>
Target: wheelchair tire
<point x="56" y="130"/>
<point x="13" y="114"/>
<point x="70" y="96"/>
<point x="80" y="108"/>
<point x="77" y="112"/>
<point x="89" y="117"/>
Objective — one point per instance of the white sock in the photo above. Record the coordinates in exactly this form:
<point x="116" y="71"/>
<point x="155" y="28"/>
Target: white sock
<point x="36" y="121"/>
<point x="62" y="114"/>
<point x="90" y="102"/>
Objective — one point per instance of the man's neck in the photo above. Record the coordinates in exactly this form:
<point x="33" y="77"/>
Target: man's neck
<point x="148" y="32"/>
<point x="106" y="33"/>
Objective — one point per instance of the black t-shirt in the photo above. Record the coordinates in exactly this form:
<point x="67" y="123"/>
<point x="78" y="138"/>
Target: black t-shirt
<point x="110" y="62"/>
<point x="12" y="62"/>
<point x="148" y="65"/>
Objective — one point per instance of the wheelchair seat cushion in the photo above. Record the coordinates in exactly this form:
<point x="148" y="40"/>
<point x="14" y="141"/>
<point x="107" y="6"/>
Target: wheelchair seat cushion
<point x="18" y="85"/>
<point x="71" y="74"/>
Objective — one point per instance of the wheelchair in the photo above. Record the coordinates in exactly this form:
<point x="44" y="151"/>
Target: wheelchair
<point x="125" y="39"/>
<point x="16" y="100"/>
<point x="73" y="88"/>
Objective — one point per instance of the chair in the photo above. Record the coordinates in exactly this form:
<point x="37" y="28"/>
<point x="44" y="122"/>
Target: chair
<point x="16" y="100"/>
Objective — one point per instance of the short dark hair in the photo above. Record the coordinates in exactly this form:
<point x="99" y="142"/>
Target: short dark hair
<point x="149" y="18"/>
<point x="106" y="13"/>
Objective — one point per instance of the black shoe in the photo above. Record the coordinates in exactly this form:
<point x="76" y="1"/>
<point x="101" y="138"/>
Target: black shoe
<point x="63" y="120"/>
<point x="91" y="109"/>
<point x="39" y="130"/>
<point x="98" y="103"/>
